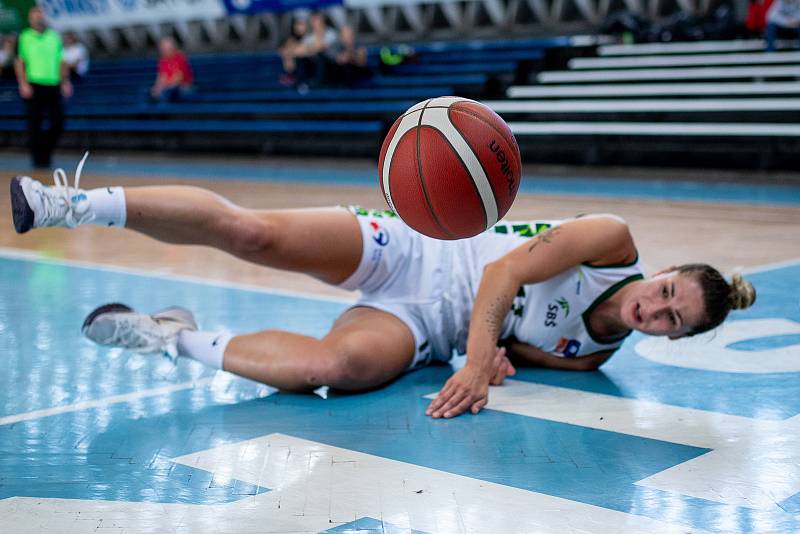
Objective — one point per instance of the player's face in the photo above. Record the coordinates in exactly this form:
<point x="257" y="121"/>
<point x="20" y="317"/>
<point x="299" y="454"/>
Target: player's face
<point x="670" y="304"/>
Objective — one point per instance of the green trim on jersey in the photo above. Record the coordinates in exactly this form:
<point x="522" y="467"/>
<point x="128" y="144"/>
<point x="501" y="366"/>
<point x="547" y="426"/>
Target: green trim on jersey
<point x="378" y="214"/>
<point x="41" y="54"/>
<point x="604" y="296"/>
<point x="522" y="230"/>
<point x="613" y="265"/>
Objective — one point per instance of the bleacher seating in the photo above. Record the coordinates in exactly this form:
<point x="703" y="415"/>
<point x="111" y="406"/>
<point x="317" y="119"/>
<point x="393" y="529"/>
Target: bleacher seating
<point x="706" y="104"/>
<point x="717" y="103"/>
<point x="240" y="105"/>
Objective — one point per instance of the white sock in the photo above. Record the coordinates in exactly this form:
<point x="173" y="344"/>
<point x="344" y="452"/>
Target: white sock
<point x="205" y="347"/>
<point x="108" y="206"/>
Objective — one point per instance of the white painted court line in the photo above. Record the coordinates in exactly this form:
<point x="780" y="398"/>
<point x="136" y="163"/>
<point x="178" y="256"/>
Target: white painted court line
<point x="712" y="351"/>
<point x="754" y="463"/>
<point x="644" y="106"/>
<point x="27" y="255"/>
<point x="104" y="402"/>
<point x="315" y="487"/>
<point x="314" y="479"/>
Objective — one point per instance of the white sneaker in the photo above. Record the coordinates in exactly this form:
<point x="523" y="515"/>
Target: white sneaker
<point x="117" y="325"/>
<point x="35" y="205"/>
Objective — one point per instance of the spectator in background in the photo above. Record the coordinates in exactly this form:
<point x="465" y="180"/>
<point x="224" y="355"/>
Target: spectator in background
<point x="43" y="81"/>
<point x="349" y="57"/>
<point x="756" y="21"/>
<point x="398" y="55"/>
<point x="783" y="17"/>
<point x="175" y="78"/>
<point x="291" y="49"/>
<point x="8" y="53"/>
<point x="317" y="45"/>
<point x="76" y="56"/>
<point x="313" y="56"/>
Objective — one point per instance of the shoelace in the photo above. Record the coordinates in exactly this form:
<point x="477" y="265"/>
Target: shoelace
<point x="60" y="178"/>
<point x="55" y="206"/>
<point x="132" y="333"/>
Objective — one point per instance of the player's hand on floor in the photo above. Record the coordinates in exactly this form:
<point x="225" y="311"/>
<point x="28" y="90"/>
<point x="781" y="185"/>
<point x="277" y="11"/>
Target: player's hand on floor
<point x="468" y="389"/>
<point x="502" y="367"/>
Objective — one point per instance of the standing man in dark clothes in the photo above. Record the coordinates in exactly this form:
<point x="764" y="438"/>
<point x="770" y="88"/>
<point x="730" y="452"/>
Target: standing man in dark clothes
<point x="43" y="80"/>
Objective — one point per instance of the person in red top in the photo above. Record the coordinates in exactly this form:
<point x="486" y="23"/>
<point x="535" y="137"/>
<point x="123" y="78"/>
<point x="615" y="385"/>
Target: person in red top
<point x="756" y="19"/>
<point x="175" y="76"/>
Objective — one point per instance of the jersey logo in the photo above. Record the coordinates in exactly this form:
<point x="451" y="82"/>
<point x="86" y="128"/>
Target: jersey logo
<point x="379" y="235"/>
<point x="518" y="305"/>
<point x="569" y="348"/>
<point x="553" y="309"/>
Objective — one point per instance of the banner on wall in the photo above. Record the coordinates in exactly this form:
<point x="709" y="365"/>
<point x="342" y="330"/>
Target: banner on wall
<point x="98" y="14"/>
<point x="14" y="14"/>
<point x="377" y="3"/>
<point x="248" y="7"/>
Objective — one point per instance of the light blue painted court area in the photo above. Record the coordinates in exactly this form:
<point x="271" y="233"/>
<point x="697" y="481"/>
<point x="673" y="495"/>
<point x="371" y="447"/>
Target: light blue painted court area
<point x="97" y="440"/>
<point x="268" y="171"/>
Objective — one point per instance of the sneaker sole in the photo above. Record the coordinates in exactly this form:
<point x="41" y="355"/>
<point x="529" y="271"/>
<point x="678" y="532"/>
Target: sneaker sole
<point x="106" y="308"/>
<point x="20" y="209"/>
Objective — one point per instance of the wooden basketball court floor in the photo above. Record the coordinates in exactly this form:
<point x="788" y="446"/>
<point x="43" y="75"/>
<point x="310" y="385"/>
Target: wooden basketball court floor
<point x="700" y="435"/>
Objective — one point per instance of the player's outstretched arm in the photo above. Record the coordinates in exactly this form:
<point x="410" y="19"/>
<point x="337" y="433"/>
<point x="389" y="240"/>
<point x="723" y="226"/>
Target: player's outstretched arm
<point x="520" y="353"/>
<point x="600" y="239"/>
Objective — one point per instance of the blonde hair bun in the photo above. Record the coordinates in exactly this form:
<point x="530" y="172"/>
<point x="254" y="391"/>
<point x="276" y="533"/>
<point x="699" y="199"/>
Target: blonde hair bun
<point x="742" y="294"/>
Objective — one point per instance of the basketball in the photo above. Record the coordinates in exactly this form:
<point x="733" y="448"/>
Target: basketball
<point x="449" y="167"/>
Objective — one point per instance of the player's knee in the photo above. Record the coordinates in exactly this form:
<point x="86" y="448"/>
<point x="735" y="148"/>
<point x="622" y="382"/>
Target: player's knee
<point x="345" y="370"/>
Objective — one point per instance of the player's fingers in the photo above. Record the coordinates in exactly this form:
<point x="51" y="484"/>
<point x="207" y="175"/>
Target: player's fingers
<point x="436" y="403"/>
<point x="440" y="399"/>
<point x="478" y="406"/>
<point x="511" y="369"/>
<point x="454" y="401"/>
<point x="459" y="408"/>
<point x="499" y="375"/>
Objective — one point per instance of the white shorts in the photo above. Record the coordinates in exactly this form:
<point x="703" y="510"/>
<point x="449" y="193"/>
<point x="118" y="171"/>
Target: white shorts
<point x="405" y="274"/>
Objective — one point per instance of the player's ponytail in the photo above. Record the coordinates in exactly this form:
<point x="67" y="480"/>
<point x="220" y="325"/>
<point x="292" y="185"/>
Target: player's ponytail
<point x="743" y="294"/>
<point x="719" y="296"/>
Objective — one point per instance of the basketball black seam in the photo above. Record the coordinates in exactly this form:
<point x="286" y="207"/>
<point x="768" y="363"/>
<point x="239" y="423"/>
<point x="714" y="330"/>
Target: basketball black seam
<point x="422" y="178"/>
<point x="407" y="113"/>
<point x="513" y="140"/>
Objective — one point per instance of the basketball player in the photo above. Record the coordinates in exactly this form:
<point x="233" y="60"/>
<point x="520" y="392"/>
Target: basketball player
<point x="559" y="294"/>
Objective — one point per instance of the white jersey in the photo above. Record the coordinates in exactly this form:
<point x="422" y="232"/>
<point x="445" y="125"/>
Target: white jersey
<point x="552" y="315"/>
<point x="431" y="286"/>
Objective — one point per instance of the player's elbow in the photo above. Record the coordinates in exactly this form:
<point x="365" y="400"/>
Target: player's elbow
<point x="502" y="271"/>
<point x="591" y="363"/>
<point x="586" y="366"/>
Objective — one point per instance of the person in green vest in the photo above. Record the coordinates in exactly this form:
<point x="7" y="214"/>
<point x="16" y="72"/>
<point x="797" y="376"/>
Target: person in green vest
<point x="43" y="81"/>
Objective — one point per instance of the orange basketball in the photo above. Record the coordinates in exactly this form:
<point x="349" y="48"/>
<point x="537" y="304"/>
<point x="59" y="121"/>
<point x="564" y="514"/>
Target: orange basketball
<point x="449" y="167"/>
